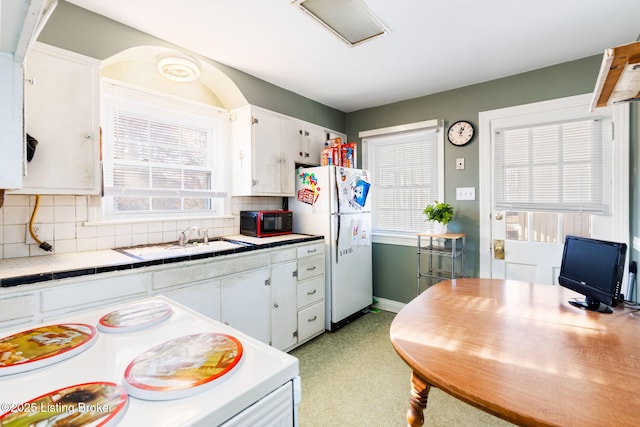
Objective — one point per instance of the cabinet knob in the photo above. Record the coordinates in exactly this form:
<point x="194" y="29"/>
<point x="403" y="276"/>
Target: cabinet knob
<point x="275" y="305"/>
<point x="88" y="136"/>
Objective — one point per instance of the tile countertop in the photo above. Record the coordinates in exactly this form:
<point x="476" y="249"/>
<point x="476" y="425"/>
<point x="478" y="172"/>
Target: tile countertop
<point x="20" y="271"/>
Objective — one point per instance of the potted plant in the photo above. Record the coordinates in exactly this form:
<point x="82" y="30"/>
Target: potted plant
<point x="439" y="213"/>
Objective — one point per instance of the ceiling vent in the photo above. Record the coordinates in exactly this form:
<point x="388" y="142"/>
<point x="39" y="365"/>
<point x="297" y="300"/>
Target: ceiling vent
<point x="619" y="78"/>
<point x="350" y="20"/>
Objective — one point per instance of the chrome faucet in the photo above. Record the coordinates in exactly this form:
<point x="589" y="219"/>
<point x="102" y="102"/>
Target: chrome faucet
<point x="186" y="234"/>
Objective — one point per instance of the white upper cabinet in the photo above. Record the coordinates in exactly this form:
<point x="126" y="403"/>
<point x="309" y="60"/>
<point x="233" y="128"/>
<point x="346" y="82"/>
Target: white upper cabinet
<point x="305" y="141"/>
<point x="261" y="166"/>
<point x="266" y="147"/>
<point x="62" y="113"/>
<point x="20" y="23"/>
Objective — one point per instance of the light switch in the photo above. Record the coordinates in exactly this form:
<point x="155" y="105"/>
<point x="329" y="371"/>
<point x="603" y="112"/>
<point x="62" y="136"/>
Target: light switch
<point x="465" y="193"/>
<point x="460" y="163"/>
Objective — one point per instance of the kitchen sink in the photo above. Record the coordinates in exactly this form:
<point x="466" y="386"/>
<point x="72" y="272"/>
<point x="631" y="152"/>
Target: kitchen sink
<point x="172" y="250"/>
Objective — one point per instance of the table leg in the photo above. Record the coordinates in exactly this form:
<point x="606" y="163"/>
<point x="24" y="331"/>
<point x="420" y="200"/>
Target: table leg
<point x="418" y="401"/>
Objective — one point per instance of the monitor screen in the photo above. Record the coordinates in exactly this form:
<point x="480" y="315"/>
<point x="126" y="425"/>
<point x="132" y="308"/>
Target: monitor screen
<point x="593" y="268"/>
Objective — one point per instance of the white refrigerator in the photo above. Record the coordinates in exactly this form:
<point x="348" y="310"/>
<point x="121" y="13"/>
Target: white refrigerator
<point x="334" y="202"/>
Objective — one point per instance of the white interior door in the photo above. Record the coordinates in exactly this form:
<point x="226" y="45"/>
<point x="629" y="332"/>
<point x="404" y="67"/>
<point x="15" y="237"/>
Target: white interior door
<point x="527" y="245"/>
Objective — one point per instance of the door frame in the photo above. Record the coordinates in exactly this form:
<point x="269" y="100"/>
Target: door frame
<point x="620" y="173"/>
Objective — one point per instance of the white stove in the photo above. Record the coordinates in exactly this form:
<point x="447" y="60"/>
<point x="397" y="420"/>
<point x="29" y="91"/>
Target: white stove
<point x="262" y="389"/>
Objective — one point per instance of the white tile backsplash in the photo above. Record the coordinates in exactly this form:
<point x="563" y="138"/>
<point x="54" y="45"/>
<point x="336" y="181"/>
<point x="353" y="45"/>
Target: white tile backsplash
<point x="67" y="227"/>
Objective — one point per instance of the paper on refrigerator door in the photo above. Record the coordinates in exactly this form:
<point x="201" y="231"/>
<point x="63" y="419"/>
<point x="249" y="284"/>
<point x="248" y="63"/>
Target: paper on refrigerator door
<point x="359" y="233"/>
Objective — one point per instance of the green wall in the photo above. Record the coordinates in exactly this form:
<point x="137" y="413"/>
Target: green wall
<point x="395" y="266"/>
<point x="79" y="30"/>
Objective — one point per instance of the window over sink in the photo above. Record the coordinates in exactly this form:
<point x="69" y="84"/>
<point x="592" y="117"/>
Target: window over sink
<point x="162" y="155"/>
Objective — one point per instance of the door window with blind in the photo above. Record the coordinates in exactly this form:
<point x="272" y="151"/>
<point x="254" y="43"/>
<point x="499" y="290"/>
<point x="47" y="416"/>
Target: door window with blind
<point x="551" y="178"/>
<point x="406" y="165"/>
<point x="162" y="155"/>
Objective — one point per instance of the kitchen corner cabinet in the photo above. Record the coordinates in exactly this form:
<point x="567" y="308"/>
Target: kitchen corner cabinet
<point x="261" y="164"/>
<point x="62" y="112"/>
<point x="266" y="147"/>
<point x="304" y="140"/>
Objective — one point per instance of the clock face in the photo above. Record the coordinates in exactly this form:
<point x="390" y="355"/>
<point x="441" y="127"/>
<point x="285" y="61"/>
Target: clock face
<point x="460" y="133"/>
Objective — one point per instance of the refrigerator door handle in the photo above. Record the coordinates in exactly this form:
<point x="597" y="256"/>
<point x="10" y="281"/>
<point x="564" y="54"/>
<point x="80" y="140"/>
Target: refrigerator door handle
<point x="337" y="198"/>
<point x="337" y="237"/>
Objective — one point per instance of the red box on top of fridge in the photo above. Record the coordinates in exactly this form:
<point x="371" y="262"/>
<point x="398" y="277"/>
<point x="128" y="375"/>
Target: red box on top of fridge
<point x="340" y="155"/>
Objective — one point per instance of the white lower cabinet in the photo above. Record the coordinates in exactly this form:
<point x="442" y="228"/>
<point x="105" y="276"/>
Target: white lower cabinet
<point x="310" y="321"/>
<point x="244" y="302"/>
<point x="275" y="295"/>
<point x="284" y="320"/>
<point x="203" y="297"/>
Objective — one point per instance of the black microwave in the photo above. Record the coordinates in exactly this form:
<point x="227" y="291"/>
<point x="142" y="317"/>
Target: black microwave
<point x="266" y="223"/>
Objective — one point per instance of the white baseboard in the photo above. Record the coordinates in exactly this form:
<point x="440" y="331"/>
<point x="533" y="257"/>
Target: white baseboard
<point x="388" y="305"/>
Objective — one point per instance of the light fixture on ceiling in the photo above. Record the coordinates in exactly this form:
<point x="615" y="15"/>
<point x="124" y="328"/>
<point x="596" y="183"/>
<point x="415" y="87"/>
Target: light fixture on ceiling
<point x="179" y="68"/>
<point x="350" y="20"/>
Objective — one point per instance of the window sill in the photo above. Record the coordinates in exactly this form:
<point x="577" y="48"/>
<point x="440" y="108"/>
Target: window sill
<point x="395" y="239"/>
<point x="152" y="219"/>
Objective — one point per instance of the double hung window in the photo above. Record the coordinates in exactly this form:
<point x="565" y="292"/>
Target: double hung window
<point x="162" y="155"/>
<point x="407" y="172"/>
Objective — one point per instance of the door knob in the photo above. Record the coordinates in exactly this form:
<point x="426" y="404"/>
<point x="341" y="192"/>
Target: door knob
<point x="499" y="216"/>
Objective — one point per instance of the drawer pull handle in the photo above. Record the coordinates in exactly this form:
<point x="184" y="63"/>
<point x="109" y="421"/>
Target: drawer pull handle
<point x="313" y="319"/>
<point x="311" y="251"/>
<point x="311" y="268"/>
<point x="312" y="292"/>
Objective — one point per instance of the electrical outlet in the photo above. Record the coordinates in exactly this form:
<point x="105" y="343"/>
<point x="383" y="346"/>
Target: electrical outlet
<point x="38" y="230"/>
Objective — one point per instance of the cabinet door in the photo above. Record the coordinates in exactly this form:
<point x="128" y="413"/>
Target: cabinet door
<point x="303" y="140"/>
<point x="245" y="303"/>
<point x="202" y="297"/>
<point x="267" y="158"/>
<point x="315" y="138"/>
<point x="284" y="318"/>
<point x="61" y="112"/>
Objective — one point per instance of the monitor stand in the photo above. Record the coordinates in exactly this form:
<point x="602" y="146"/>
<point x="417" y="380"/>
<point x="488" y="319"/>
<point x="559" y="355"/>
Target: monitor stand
<point x="591" y="305"/>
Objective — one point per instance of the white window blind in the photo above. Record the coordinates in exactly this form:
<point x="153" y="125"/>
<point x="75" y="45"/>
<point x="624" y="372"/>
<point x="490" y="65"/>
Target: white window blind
<point x="162" y="154"/>
<point x="556" y="167"/>
<point x="406" y="175"/>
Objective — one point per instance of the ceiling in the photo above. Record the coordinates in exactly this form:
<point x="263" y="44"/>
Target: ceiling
<point x="433" y="45"/>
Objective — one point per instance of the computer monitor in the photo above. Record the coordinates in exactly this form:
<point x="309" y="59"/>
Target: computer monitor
<point x="593" y="268"/>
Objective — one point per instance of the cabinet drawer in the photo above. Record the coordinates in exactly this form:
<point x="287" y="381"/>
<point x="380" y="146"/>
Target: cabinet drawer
<point x="310" y="267"/>
<point x="17" y="309"/>
<point x="311" y="250"/>
<point x="283" y="255"/>
<point x="180" y="274"/>
<point x="310" y="291"/>
<point x="95" y="292"/>
<point x="310" y="321"/>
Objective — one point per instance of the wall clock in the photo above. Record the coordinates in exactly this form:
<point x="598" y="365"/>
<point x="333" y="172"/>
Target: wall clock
<point x="460" y="133"/>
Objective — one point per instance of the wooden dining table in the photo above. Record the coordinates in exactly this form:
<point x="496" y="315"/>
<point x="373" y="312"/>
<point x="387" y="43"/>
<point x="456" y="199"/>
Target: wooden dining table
<point x="521" y="352"/>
